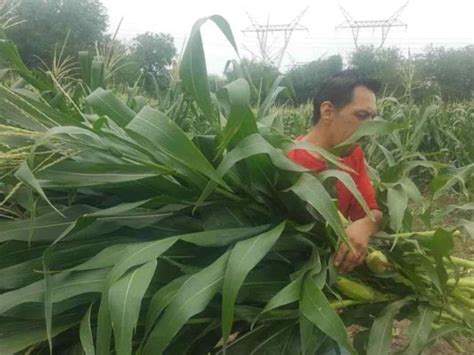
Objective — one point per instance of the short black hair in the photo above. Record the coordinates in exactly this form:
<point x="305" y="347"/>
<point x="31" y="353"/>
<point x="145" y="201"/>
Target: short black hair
<point x="339" y="89"/>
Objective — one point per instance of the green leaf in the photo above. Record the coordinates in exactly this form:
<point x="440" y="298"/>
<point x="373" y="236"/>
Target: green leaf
<point x="193" y="71"/>
<point x="309" y="189"/>
<point x="367" y="128"/>
<point x="442" y="332"/>
<point x="311" y="336"/>
<point x="241" y="121"/>
<point x="411" y="189"/>
<point x="272" y="95"/>
<point x="9" y="52"/>
<point x="97" y="73"/>
<point x="191" y="299"/>
<point x="25" y="175"/>
<point x="18" y="334"/>
<point x="20" y="110"/>
<point x="442" y="244"/>
<point x="85" y="333"/>
<point x="105" y="103"/>
<point x="87" y="174"/>
<point x="168" y="138"/>
<point x="253" y="145"/>
<point x="161" y="299"/>
<point x="244" y="257"/>
<point x="250" y="146"/>
<point x="64" y="285"/>
<point x="419" y="330"/>
<point x="328" y="156"/>
<point x="222" y="237"/>
<point x="125" y="297"/>
<point x="349" y="183"/>
<point x="66" y="255"/>
<point x="85" y="61"/>
<point x="289" y="294"/>
<point x="214" y="238"/>
<point x="381" y="332"/>
<point x="443" y="183"/>
<point x="468" y="226"/>
<point x="279" y="337"/>
<point x="315" y="306"/>
<point x="397" y="202"/>
<point x="137" y="254"/>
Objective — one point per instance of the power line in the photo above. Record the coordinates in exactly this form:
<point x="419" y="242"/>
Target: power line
<point x="266" y="32"/>
<point x="384" y="25"/>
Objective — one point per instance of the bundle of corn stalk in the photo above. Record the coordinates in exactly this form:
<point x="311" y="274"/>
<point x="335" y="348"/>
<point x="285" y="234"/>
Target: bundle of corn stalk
<point x="137" y="237"/>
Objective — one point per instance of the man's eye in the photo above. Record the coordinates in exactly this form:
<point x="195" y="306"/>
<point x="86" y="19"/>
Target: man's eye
<point x="362" y="116"/>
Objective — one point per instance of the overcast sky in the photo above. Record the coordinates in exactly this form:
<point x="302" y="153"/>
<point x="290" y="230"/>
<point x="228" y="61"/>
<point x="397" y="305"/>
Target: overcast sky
<point x="448" y="23"/>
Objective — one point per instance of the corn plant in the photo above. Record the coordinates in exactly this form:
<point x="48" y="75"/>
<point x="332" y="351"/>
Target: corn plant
<point x="127" y="234"/>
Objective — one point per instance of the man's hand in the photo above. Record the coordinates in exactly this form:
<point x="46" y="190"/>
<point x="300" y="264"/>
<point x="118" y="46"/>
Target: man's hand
<point x="358" y="233"/>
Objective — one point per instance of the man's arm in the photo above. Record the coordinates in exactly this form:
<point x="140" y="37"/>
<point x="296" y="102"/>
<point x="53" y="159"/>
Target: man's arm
<point x="358" y="233"/>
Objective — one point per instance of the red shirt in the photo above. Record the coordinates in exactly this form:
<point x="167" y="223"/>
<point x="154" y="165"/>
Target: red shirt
<point x="348" y="205"/>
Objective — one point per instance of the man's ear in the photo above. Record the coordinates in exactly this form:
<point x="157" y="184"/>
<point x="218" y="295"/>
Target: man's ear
<point x="326" y="111"/>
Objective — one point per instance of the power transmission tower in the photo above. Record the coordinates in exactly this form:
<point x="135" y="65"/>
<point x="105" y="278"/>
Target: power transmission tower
<point x="383" y="25"/>
<point x="273" y="52"/>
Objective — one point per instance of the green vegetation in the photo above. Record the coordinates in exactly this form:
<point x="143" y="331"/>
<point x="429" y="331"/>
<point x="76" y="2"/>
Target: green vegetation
<point x="178" y="224"/>
<point x="43" y="26"/>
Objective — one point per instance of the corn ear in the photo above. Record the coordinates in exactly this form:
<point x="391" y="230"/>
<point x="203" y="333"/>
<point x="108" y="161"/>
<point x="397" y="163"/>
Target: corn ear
<point x="377" y="262"/>
<point x="356" y="290"/>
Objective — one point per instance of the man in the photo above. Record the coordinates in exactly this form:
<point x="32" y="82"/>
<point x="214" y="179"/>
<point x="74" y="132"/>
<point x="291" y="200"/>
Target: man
<point x="341" y="105"/>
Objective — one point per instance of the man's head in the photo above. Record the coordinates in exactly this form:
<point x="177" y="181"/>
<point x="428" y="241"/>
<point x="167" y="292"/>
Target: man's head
<point x="343" y="102"/>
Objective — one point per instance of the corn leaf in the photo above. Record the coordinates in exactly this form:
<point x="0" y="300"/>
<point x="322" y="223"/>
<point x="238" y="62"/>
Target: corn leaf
<point x="125" y="297"/>
<point x="105" y="103"/>
<point x="85" y="333"/>
<point x="367" y="128"/>
<point x="311" y="337"/>
<point x="243" y="258"/>
<point x="419" y="330"/>
<point x="349" y="183"/>
<point x="241" y="122"/>
<point x="86" y="174"/>
<point x="289" y="294"/>
<point x="397" y="202"/>
<point x="44" y="228"/>
<point x="309" y="189"/>
<point x="166" y="136"/>
<point x="315" y="306"/>
<point x="191" y="299"/>
<point x="381" y="330"/>
<point x="193" y="70"/>
<point x="161" y="299"/>
<point x="9" y="52"/>
<point x="16" y="335"/>
<point x="25" y="175"/>
<point x="64" y="285"/>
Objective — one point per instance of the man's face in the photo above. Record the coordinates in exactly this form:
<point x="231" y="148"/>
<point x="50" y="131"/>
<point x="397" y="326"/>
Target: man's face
<point x="347" y="119"/>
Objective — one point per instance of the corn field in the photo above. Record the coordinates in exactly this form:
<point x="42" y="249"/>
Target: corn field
<point x="179" y="226"/>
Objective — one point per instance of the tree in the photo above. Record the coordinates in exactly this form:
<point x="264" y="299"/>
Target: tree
<point x="260" y="74"/>
<point x="150" y="54"/>
<point x="307" y="78"/>
<point x="382" y="64"/>
<point x="47" y="22"/>
<point x="450" y="71"/>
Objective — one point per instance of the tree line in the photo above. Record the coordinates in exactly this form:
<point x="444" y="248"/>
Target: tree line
<point x="47" y="27"/>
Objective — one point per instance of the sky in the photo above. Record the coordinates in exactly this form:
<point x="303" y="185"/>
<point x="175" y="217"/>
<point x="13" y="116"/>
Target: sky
<point x="446" y="23"/>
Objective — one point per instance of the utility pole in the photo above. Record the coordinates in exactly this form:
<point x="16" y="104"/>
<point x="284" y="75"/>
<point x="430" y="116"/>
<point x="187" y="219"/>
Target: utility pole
<point x="384" y="25"/>
<point x="267" y="52"/>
